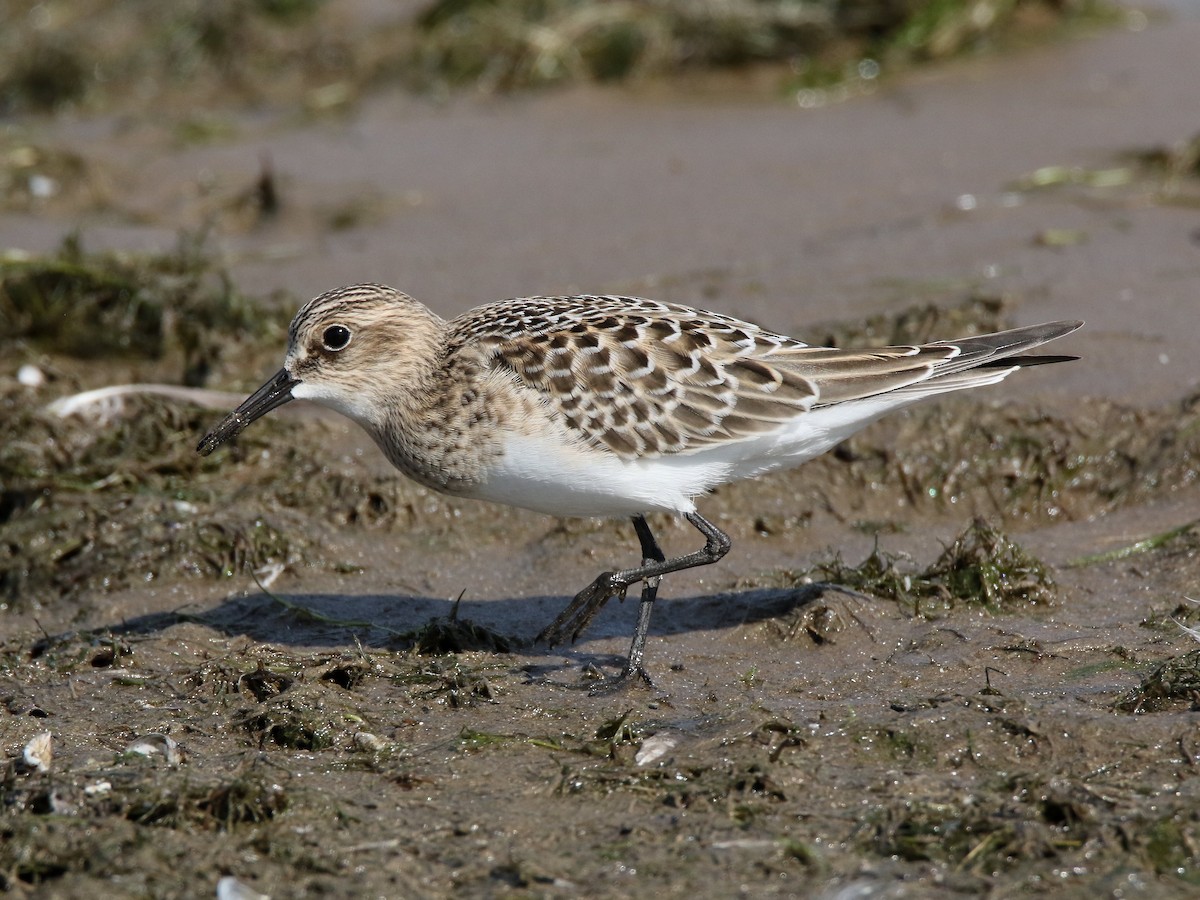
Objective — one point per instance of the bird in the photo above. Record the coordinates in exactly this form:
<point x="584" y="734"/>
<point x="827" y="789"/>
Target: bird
<point x="603" y="406"/>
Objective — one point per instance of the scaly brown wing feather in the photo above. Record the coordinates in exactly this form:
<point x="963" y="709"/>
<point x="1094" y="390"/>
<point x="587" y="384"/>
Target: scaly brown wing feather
<point x="644" y="378"/>
<point x="639" y="377"/>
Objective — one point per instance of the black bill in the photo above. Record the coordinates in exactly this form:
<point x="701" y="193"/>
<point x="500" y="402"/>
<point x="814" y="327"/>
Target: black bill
<point x="274" y="393"/>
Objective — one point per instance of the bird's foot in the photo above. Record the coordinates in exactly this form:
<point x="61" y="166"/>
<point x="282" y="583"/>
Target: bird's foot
<point x="598" y="684"/>
<point x="632" y="678"/>
<point x="579" y="613"/>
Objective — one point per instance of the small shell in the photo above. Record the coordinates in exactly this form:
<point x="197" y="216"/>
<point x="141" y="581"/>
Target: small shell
<point x="372" y="743"/>
<point x="655" y="748"/>
<point x="31" y="376"/>
<point x="231" y="888"/>
<point x="38" y="753"/>
<point x="150" y="744"/>
<point x="98" y="788"/>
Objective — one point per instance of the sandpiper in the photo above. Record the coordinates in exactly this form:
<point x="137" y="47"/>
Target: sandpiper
<point x="602" y="406"/>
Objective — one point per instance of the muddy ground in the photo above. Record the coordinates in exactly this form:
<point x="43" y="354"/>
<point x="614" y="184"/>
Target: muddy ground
<point x="284" y="665"/>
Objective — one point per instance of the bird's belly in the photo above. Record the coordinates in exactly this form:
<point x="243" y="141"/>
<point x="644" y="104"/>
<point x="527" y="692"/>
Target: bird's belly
<point x="545" y="473"/>
<point x="539" y="473"/>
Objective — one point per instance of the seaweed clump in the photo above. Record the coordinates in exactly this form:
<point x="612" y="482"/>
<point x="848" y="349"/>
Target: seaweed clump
<point x="96" y="51"/>
<point x="981" y="566"/>
<point x="120" y="496"/>
<point x="321" y="56"/>
<point x="179" y="304"/>
<point x="88" y="505"/>
<point x="508" y="44"/>
<point x="1173" y="682"/>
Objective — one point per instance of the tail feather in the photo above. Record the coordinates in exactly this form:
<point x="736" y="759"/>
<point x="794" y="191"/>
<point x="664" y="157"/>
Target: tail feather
<point x="977" y="351"/>
<point x="1026" y="362"/>
<point x="842" y="376"/>
<point x="990" y="358"/>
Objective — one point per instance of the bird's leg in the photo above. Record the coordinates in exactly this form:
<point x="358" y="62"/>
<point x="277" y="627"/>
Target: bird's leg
<point x="651" y="553"/>
<point x="580" y="611"/>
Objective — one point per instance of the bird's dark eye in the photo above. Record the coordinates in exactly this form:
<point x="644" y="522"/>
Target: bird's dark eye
<point x="335" y="337"/>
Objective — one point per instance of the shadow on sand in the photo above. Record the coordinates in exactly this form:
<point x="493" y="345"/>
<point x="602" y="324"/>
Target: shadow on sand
<point x="437" y="625"/>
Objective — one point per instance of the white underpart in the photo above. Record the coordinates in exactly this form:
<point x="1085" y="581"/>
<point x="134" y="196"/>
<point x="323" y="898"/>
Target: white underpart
<point x="543" y="473"/>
